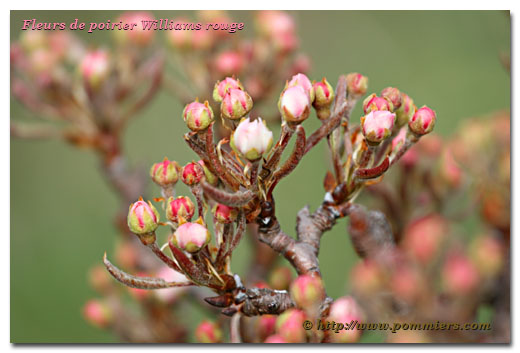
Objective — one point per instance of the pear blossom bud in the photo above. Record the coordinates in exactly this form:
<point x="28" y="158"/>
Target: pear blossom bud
<point x="307" y="291"/>
<point x="180" y="39"/>
<point x="367" y="277"/>
<point x="393" y="95"/>
<point x="208" y="332"/>
<point x="95" y="68"/>
<point x="266" y="325"/>
<point x="165" y="173"/>
<point x="459" y="275"/>
<point x="210" y="177"/>
<point x="423" y="237"/>
<point x="280" y="278"/>
<point x="236" y="104"/>
<point x="488" y="254"/>
<point x="357" y="84"/>
<point x="422" y="121"/>
<point x="229" y="63"/>
<point x="407" y="283"/>
<point x="100" y="279"/>
<point x="275" y="339"/>
<point x="169" y="295"/>
<point x="97" y="313"/>
<point x="192" y="173"/>
<point x="324" y="97"/>
<point x="198" y="116"/>
<point x="303" y="81"/>
<point x="377" y="125"/>
<point x="289" y="325"/>
<point x="405" y="111"/>
<point x="222" y="88"/>
<point x="345" y="310"/>
<point x="224" y="214"/>
<point x="191" y="237"/>
<point x="143" y="218"/>
<point x="138" y="35"/>
<point x="252" y="139"/>
<point x="374" y="102"/>
<point x="294" y="104"/>
<point x="179" y="207"/>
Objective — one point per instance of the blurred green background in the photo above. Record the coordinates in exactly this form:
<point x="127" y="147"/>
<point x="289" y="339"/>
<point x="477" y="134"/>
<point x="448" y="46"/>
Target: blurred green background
<point x="62" y="208"/>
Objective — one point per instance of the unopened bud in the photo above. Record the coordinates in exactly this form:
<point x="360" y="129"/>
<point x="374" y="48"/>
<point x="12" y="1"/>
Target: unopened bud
<point x="229" y="63"/>
<point x="405" y="111"/>
<point x="179" y="207"/>
<point x="345" y="310"/>
<point x="100" y="279"/>
<point x="373" y="103"/>
<point x="275" y="339"/>
<point x="459" y="275"/>
<point x="280" y="278"/>
<point x="252" y="139"/>
<point x="393" y="95"/>
<point x="208" y="332"/>
<point x="236" y="104"/>
<point x="377" y="125"/>
<point x="224" y="214"/>
<point x="192" y="173"/>
<point x="422" y="121"/>
<point x="423" y="237"/>
<point x="357" y="84"/>
<point x="222" y="88"/>
<point x="488" y="254"/>
<point x="307" y="291"/>
<point x="198" y="116"/>
<point x="289" y="326"/>
<point x="210" y="177"/>
<point x="165" y="173"/>
<point x="324" y="97"/>
<point x="303" y="81"/>
<point x="95" y="68"/>
<point x="191" y="237"/>
<point x="143" y="220"/>
<point x="138" y="35"/>
<point x="97" y="313"/>
<point x="294" y="104"/>
<point x="367" y="277"/>
<point x="169" y="295"/>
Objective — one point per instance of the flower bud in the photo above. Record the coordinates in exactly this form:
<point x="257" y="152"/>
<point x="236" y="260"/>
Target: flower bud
<point x="222" y="88"/>
<point x="180" y="39"/>
<point x="459" y="275"/>
<point x="488" y="254"/>
<point x="280" y="278"/>
<point x="192" y="173"/>
<point x="405" y="111"/>
<point x="236" y="104"/>
<point x="224" y="214"/>
<point x="422" y="121"/>
<point x="143" y="218"/>
<point x="275" y="339"/>
<point x="324" y="97"/>
<point x="97" y="313"/>
<point x="100" y="279"/>
<point x="345" y="310"/>
<point x="179" y="207"/>
<point x="294" y="104"/>
<point x="373" y="102"/>
<point x="367" y="277"/>
<point x="191" y="237"/>
<point x="377" y="125"/>
<point x="229" y="63"/>
<point x="165" y="173"/>
<point x="138" y="35"/>
<point x="208" y="332"/>
<point x="252" y="139"/>
<point x="169" y="295"/>
<point x="357" y="84"/>
<point x="289" y="326"/>
<point x="266" y="325"/>
<point x="307" y="291"/>
<point x="393" y="95"/>
<point x="95" y="68"/>
<point x="303" y="81"/>
<point x="210" y="177"/>
<point x="423" y="237"/>
<point x="198" y="116"/>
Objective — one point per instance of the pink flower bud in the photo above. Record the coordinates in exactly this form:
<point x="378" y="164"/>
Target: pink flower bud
<point x="280" y="278"/>
<point x="303" y="81"/>
<point x="236" y="104"/>
<point x="450" y="170"/>
<point x="373" y="102"/>
<point x="208" y="332"/>
<point x="324" y="97"/>
<point x="405" y="111"/>
<point x="266" y="325"/>
<point x="97" y="313"/>
<point x="138" y="35"/>
<point x="424" y="236"/>
<point x="393" y="95"/>
<point x="275" y="339"/>
<point x="422" y="121"/>
<point x="224" y="214"/>
<point x="459" y="275"/>
<point x="126" y="255"/>
<point x="307" y="291"/>
<point x="344" y="310"/>
<point x="357" y="84"/>
<point x="210" y="177"/>
<point x="294" y="104"/>
<point x="407" y="283"/>
<point x="279" y="28"/>
<point x="367" y="277"/>
<point x="191" y="237"/>
<point x="289" y="325"/>
<point x="488" y="254"/>
<point x="192" y="173"/>
<point x="100" y="279"/>
<point x="229" y="63"/>
<point x="32" y="40"/>
<point x="179" y="207"/>
<point x="198" y="116"/>
<point x="180" y="39"/>
<point x="165" y="173"/>
<point x="169" y="295"/>
<point x="143" y="218"/>
<point x="377" y="125"/>
<point x="222" y="88"/>
<point x="95" y="68"/>
<point x="252" y="139"/>
<point x="203" y="40"/>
